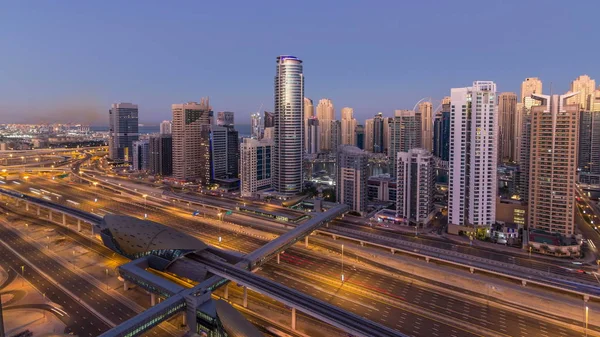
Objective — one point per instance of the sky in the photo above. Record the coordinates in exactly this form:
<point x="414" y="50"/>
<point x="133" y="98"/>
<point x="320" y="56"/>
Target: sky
<point x="67" y="61"/>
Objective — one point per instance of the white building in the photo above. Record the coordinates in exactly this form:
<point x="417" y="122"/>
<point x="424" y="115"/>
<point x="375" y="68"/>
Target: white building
<point x="313" y="136"/>
<point x="473" y="156"/>
<point x="165" y="127"/>
<point x="415" y="186"/>
<point x="288" y="147"/>
<point x="255" y="165"/>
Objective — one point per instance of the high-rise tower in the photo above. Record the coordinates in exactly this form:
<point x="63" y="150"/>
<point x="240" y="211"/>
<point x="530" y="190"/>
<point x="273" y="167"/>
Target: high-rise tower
<point x="325" y="115"/>
<point x="123" y="130"/>
<point x="404" y="133"/>
<point x="288" y="146"/>
<point x="348" y="126"/>
<point x="426" y="112"/>
<point x="473" y="156"/>
<point x="507" y="111"/>
<point x="309" y="112"/>
<point x="553" y="163"/>
<point x="585" y="87"/>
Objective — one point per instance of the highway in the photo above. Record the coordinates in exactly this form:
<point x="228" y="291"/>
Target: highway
<point x="84" y="322"/>
<point x="319" y="266"/>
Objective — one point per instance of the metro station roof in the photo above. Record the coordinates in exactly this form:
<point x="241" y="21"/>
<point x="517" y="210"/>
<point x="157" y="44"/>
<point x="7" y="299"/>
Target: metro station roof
<point x="137" y="236"/>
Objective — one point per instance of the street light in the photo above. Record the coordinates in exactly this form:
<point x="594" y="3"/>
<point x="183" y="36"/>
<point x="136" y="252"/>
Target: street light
<point x="586" y="319"/>
<point x="22" y="274"/>
<point x="342" y="263"/>
<point x="145" y="210"/>
<point x="221" y="219"/>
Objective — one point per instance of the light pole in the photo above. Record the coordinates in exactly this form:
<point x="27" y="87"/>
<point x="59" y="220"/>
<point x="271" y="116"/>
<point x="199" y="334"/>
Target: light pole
<point x="106" y="270"/>
<point x="219" y="225"/>
<point x="22" y="274"/>
<point x="145" y="210"/>
<point x="342" y="263"/>
<point x="96" y="188"/>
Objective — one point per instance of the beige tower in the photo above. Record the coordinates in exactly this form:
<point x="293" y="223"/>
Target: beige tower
<point x="553" y="164"/>
<point x="426" y="110"/>
<point x="585" y="86"/>
<point x="348" y="126"/>
<point x="507" y="111"/>
<point x="325" y="115"/>
<point x="369" y="124"/>
<point x="531" y="85"/>
<point x="309" y="112"/>
<point x="191" y="137"/>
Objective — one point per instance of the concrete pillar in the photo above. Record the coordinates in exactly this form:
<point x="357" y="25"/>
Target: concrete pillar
<point x="245" y="297"/>
<point x="38" y="211"/>
<point x="334" y="237"/>
<point x="226" y="294"/>
<point x="586" y="298"/>
<point x="64" y="219"/>
<point x="362" y="243"/>
<point x="27" y="206"/>
<point x="17" y="202"/>
<point x="427" y="259"/>
<point x="50" y="215"/>
<point x="78" y="225"/>
<point x="306" y="242"/>
<point x="472" y="270"/>
<point x="152" y="299"/>
<point x="393" y="251"/>
<point x="523" y="282"/>
<point x="293" y="318"/>
<point x="183" y="323"/>
<point x="125" y="285"/>
<point x="278" y="258"/>
<point x="92" y="229"/>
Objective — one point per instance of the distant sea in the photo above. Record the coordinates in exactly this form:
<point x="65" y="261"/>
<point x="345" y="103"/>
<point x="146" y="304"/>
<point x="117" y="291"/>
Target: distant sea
<point x="245" y="130"/>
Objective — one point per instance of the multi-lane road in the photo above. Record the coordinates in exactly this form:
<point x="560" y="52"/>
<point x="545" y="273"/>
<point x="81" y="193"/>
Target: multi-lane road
<point x="83" y="322"/>
<point x="319" y="272"/>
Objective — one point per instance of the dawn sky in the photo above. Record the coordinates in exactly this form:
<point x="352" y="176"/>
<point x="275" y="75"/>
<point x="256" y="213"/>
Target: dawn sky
<point x="69" y="60"/>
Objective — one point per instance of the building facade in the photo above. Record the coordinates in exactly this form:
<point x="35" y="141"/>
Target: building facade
<point x="441" y="133"/>
<point x="348" y="126"/>
<point x="256" y="166"/>
<point x="140" y="155"/>
<point x="360" y="137"/>
<point x="415" y="186"/>
<point x="161" y="155"/>
<point x="165" y="128"/>
<point x="378" y="133"/>
<point x="585" y="87"/>
<point x="404" y="134"/>
<point x="289" y="127"/>
<point x="225" y="152"/>
<point x="507" y="111"/>
<point x="122" y="131"/>
<point x="335" y="138"/>
<point x="191" y="141"/>
<point x="369" y="126"/>
<point x="325" y="115"/>
<point x="426" y="113"/>
<point x="313" y="136"/>
<point x="309" y="112"/>
<point x="351" y="177"/>
<point x="473" y="156"/>
<point x="589" y="136"/>
<point x="553" y="164"/>
<point x="524" y="158"/>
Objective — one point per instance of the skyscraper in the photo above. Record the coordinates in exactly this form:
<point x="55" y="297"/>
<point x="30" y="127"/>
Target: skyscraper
<point x="256" y="126"/>
<point x="122" y="131"/>
<point x="507" y="112"/>
<point x="405" y="134"/>
<point x="585" y="87"/>
<point x="225" y="118"/>
<point x="165" y="127"/>
<point x="348" y="126"/>
<point x="161" y="154"/>
<point x="426" y="112"/>
<point x="378" y="133"/>
<point x="553" y="163"/>
<point x="325" y="114"/>
<point x="531" y="85"/>
<point x="473" y="156"/>
<point x="314" y="136"/>
<point x="191" y="141"/>
<point x="351" y="177"/>
<point x="369" y="133"/>
<point x="269" y="119"/>
<point x="589" y="137"/>
<point x="289" y="127"/>
<point x="336" y="135"/>
<point x="140" y="155"/>
<point x="256" y="165"/>
<point x="525" y="158"/>
<point x="415" y="186"/>
<point x="309" y="112"/>
<point x="441" y="132"/>
<point x="360" y="137"/>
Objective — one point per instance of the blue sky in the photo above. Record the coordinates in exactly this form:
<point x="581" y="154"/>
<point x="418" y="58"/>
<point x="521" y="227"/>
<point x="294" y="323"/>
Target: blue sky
<point x="69" y="60"/>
